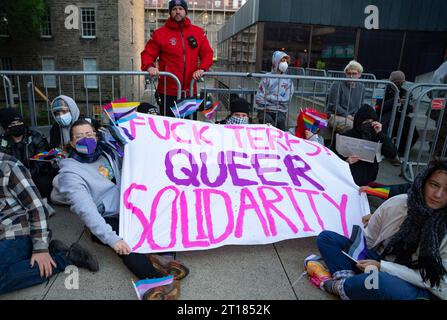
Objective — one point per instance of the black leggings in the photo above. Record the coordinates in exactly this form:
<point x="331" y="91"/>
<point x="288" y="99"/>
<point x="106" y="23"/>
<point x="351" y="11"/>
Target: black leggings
<point x="139" y="264"/>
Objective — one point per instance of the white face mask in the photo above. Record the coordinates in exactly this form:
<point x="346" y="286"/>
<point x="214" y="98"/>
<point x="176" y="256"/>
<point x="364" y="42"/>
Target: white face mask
<point x="283" y="67"/>
<point x="64" y="120"/>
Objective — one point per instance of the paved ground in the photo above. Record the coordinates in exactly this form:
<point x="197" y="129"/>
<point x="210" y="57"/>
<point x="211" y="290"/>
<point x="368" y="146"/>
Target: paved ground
<point x="228" y="273"/>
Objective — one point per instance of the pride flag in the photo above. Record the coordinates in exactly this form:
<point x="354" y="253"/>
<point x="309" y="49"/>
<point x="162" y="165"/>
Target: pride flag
<point x="312" y="120"/>
<point x="358" y="248"/>
<point x="124" y="111"/>
<point x="46" y="155"/>
<point x="109" y="110"/>
<point x="211" y="111"/>
<point x="383" y="192"/>
<point x="142" y="286"/>
<point x="186" y="107"/>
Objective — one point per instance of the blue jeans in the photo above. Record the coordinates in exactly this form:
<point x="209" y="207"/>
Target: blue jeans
<point x="15" y="270"/>
<point x="390" y="287"/>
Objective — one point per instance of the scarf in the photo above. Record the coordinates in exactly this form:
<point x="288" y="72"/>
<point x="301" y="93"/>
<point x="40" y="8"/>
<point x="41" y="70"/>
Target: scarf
<point x="424" y="228"/>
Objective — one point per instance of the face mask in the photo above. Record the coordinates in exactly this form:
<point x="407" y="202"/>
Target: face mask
<point x="283" y="67"/>
<point x="64" y="120"/>
<point x="367" y="131"/>
<point x="86" y="145"/>
<point x="237" y="120"/>
<point x="17" y="131"/>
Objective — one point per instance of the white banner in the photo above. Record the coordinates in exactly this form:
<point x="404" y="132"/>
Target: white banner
<point x="190" y="185"/>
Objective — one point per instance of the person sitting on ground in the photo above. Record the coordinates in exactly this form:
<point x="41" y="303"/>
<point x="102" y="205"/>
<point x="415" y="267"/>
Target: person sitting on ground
<point x="239" y="111"/>
<point x="27" y="257"/>
<point x="385" y="112"/>
<point x="407" y="246"/>
<point x="90" y="178"/>
<point x="274" y="95"/>
<point x="345" y="98"/>
<point x="22" y="143"/>
<point x="367" y="127"/>
<point x="65" y="112"/>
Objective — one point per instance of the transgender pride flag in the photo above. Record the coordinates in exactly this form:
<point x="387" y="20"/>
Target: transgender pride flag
<point x="358" y="249"/>
<point x="142" y="286"/>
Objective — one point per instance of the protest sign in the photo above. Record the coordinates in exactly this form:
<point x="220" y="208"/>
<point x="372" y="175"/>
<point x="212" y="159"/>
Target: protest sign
<point x="366" y="150"/>
<point x="190" y="185"/>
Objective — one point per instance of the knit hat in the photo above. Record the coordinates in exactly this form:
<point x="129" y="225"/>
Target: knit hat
<point x="9" y="115"/>
<point x="397" y="76"/>
<point x="175" y="3"/>
<point x="239" y="105"/>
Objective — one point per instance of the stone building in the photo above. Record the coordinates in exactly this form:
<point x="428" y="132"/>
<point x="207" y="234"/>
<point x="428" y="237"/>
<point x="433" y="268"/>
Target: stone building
<point x="99" y="35"/>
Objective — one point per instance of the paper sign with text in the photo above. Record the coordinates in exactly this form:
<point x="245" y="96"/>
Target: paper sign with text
<point x="189" y="185"/>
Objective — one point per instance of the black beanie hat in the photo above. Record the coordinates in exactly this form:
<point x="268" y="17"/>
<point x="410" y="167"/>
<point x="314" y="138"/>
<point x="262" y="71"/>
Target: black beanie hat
<point x="9" y="115"/>
<point x="239" y="105"/>
<point x="175" y="3"/>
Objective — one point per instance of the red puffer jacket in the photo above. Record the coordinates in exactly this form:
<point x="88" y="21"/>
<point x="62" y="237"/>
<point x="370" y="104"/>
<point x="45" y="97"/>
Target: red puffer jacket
<point x="171" y="45"/>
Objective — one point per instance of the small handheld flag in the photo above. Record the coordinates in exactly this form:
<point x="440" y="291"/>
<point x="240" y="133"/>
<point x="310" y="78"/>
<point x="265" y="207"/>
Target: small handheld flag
<point x="358" y="250"/>
<point x="124" y="111"/>
<point x="142" y="286"/>
<point x="383" y="192"/>
<point x="186" y="107"/>
<point x="212" y="110"/>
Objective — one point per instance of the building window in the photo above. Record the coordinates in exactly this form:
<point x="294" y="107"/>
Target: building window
<point x="4" y="30"/>
<point x="88" y="23"/>
<point x="152" y="16"/>
<point x="48" y="64"/>
<point x="45" y="26"/>
<point x="90" y="81"/>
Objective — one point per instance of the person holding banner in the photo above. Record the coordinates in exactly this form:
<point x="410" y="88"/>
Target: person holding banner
<point x="367" y="127"/>
<point x="274" y="95"/>
<point x="179" y="46"/>
<point x="405" y="243"/>
<point x="90" y="179"/>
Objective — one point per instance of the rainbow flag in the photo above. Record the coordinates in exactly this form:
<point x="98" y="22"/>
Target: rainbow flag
<point x="53" y="153"/>
<point x="314" y="120"/>
<point x="211" y="111"/>
<point x="382" y="192"/>
<point x="144" y="285"/>
<point x="124" y="111"/>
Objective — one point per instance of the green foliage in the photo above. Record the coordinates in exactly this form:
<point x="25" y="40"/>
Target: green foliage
<point x="24" y="16"/>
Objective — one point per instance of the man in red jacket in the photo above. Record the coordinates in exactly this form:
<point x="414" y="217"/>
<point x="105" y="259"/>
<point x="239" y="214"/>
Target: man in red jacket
<point x="179" y="45"/>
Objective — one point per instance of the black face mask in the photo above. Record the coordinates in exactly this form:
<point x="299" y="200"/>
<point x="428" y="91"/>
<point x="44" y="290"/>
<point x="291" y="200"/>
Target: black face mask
<point x="17" y="131"/>
<point x="367" y="131"/>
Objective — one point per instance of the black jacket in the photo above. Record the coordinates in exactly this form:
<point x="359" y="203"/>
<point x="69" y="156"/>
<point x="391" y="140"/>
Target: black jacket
<point x="32" y="143"/>
<point x="364" y="172"/>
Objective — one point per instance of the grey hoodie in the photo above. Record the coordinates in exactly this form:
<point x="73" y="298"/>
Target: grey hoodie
<point x="275" y="94"/>
<point x="74" y="110"/>
<point x="91" y="196"/>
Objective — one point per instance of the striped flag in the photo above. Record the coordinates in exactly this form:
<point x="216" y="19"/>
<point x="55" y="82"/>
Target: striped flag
<point x="383" y="192"/>
<point x="109" y="110"/>
<point x="314" y="120"/>
<point x="124" y="111"/>
<point x="211" y="111"/>
<point x="186" y="107"/>
<point x="142" y="286"/>
<point x="45" y="155"/>
<point x="358" y="249"/>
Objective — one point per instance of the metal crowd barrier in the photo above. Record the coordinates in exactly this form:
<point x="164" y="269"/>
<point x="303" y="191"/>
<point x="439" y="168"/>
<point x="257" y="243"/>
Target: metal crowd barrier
<point x="430" y="142"/>
<point x="88" y="88"/>
<point x="304" y="96"/>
